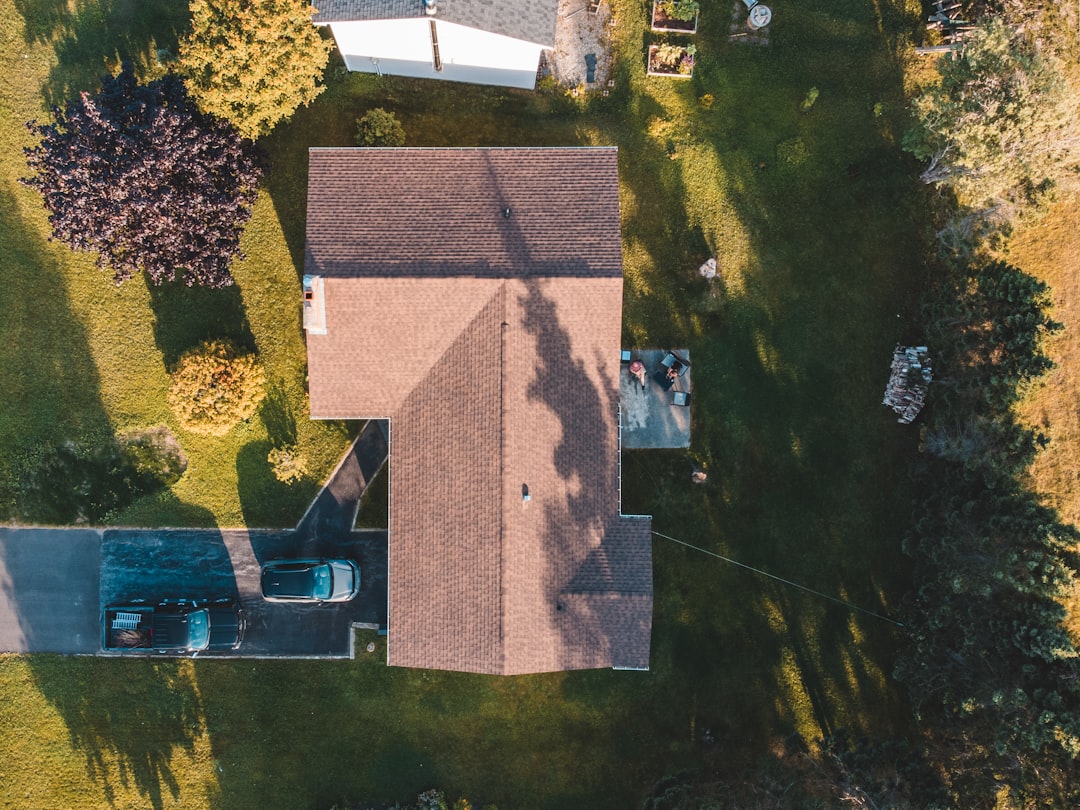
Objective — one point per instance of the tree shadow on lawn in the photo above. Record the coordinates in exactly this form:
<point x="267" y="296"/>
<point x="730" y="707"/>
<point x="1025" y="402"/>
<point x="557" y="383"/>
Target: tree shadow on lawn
<point x="806" y="469"/>
<point x="277" y="416"/>
<point x="186" y="316"/>
<point x="265" y="501"/>
<point x="327" y="121"/>
<point x="385" y="752"/>
<point x="50" y="379"/>
<point x="93" y="38"/>
<point x="127" y="718"/>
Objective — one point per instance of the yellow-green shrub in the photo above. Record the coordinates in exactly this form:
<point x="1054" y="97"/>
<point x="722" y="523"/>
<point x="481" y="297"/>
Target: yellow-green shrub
<point x="215" y="386"/>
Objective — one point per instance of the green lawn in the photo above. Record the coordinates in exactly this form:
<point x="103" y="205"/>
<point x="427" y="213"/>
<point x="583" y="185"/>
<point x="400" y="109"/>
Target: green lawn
<point x="818" y="227"/>
<point x="81" y="359"/>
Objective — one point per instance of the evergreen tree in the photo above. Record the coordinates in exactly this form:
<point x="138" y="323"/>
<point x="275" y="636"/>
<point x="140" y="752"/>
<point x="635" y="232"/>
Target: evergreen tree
<point x="993" y="674"/>
<point x="253" y="62"/>
<point x="140" y="175"/>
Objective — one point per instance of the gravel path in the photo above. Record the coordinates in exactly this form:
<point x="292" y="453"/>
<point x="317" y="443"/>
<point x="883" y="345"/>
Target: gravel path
<point x="578" y="32"/>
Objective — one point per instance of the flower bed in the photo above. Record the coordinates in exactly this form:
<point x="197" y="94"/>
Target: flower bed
<point x="677" y="16"/>
<point x="676" y="61"/>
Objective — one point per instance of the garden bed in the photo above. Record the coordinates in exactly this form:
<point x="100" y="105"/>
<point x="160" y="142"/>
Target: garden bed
<point x="676" y="16"/>
<point x="674" y="61"/>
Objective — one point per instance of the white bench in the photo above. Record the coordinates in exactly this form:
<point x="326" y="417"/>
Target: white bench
<point x="126" y="621"/>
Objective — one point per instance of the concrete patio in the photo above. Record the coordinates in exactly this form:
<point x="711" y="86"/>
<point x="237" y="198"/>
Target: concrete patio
<point x="650" y="417"/>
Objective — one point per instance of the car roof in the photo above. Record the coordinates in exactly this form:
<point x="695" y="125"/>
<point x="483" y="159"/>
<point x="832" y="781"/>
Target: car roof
<point x="289" y="581"/>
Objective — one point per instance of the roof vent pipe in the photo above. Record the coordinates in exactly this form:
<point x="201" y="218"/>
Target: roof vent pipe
<point x="430" y="8"/>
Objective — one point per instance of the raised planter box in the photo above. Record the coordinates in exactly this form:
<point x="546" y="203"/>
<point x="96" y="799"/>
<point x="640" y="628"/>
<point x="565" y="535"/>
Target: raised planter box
<point x="673" y="61"/>
<point x="666" y="16"/>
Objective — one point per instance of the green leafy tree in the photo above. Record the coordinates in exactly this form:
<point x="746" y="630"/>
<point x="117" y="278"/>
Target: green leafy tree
<point x="215" y="386"/>
<point x="379" y="128"/>
<point x="999" y="128"/>
<point x="253" y="62"/>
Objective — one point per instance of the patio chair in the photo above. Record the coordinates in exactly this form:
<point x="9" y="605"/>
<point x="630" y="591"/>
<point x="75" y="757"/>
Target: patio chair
<point x="681" y="364"/>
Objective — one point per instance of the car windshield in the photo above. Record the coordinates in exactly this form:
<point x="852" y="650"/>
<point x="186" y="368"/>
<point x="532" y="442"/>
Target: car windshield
<point x="323" y="585"/>
<point x="198" y="629"/>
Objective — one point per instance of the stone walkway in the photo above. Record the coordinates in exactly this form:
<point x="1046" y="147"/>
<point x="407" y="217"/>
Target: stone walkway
<point x="579" y="32"/>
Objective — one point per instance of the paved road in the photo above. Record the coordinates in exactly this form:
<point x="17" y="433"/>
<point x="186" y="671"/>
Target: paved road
<point x="49" y="590"/>
<point x="54" y="583"/>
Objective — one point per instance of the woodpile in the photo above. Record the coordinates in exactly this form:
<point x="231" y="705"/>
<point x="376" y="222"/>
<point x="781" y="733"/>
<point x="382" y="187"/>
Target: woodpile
<point x="948" y="19"/>
<point x="908" y="383"/>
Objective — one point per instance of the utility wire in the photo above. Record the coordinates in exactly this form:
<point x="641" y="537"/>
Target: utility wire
<point x="781" y="579"/>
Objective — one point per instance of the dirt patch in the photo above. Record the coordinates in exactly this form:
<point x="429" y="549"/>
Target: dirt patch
<point x="583" y="30"/>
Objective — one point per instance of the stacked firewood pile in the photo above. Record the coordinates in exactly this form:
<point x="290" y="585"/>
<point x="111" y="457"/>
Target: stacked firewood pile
<point x="948" y="18"/>
<point x="910" y="378"/>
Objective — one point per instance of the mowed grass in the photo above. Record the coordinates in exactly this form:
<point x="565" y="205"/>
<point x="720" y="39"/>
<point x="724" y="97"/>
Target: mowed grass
<point x="81" y="359"/>
<point x="1049" y="250"/>
<point x="818" y="226"/>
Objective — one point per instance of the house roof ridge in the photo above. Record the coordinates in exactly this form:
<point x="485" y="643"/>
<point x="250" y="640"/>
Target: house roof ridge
<point x="422" y="378"/>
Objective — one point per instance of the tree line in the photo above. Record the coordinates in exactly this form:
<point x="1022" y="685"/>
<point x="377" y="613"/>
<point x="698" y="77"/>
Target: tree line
<point x="992" y="673"/>
<point x="991" y="670"/>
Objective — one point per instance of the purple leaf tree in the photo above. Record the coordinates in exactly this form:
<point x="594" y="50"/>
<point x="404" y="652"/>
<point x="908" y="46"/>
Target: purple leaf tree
<point x="138" y="174"/>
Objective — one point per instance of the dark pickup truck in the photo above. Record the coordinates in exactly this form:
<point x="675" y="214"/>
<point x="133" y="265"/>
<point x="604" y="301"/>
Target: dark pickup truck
<point x="177" y="627"/>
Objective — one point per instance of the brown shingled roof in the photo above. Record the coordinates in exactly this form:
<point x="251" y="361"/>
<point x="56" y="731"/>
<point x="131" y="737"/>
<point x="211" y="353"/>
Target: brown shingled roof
<point x="492" y="344"/>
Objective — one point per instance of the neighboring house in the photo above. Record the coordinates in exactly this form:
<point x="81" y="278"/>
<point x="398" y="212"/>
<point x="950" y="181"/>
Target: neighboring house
<point x="478" y="41"/>
<point x="474" y="297"/>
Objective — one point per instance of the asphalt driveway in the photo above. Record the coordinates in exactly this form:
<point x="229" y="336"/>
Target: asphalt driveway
<point x="49" y="590"/>
<point x="55" y="583"/>
<point x="209" y="564"/>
